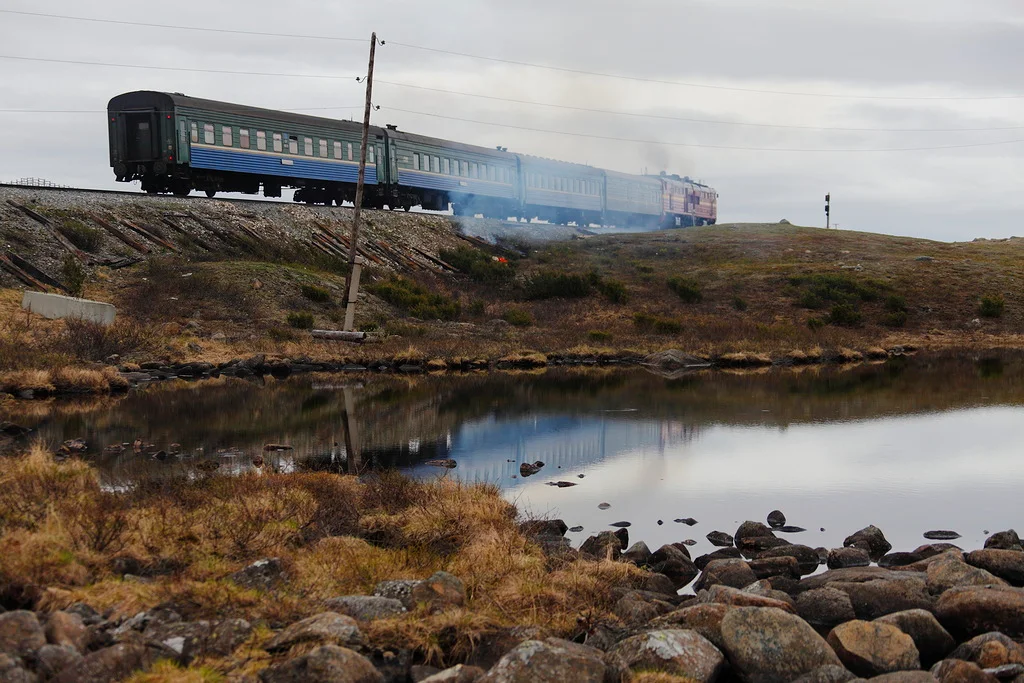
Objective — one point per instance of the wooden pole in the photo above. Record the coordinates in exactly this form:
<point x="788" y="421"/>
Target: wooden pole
<point x="351" y="292"/>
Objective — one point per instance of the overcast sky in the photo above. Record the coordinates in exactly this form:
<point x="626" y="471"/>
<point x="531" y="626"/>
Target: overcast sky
<point x="869" y="64"/>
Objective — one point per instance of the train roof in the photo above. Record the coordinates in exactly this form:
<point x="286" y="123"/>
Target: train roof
<point x="396" y="134"/>
<point x="146" y="99"/>
<point x="567" y="166"/>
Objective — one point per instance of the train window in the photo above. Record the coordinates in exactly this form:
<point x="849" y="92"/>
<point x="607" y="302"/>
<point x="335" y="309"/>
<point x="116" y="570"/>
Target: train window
<point x="349" y="150"/>
<point x="490" y="173"/>
<point x="323" y="149"/>
<point x="436" y="164"/>
<point x="277" y="143"/>
<point x="293" y="144"/>
<point x="465" y="169"/>
<point x="261" y="140"/>
<point x="225" y="135"/>
<point x="208" y="134"/>
<point x="473" y="170"/>
<point x="415" y="162"/>
<point x="243" y="138"/>
<point x="445" y="167"/>
<point x="195" y="132"/>
<point x="369" y="151"/>
<point x="337" y="150"/>
<point x="307" y="146"/>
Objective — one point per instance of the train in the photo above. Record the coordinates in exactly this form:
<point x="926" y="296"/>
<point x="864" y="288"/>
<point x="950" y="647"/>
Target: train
<point x="175" y="144"/>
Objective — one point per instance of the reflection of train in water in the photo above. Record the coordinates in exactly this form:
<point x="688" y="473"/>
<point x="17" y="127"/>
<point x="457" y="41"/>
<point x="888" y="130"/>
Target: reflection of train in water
<point x="173" y="143"/>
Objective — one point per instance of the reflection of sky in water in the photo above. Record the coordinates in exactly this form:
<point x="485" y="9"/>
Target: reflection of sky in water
<point x="959" y="470"/>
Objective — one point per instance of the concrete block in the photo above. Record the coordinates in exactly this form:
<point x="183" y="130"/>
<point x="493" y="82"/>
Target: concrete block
<point x="56" y="306"/>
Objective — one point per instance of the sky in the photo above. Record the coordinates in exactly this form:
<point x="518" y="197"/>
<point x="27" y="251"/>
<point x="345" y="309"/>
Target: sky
<point x="908" y="76"/>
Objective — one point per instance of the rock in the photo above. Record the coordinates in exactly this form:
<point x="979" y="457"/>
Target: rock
<point x="603" y="506"/>
<point x="621" y="525"/>
<point x="440" y="591"/>
<point x="751" y="530"/>
<point x="603" y="546"/>
<point x="576" y="529"/>
<point x="841" y="558"/>
<point x="400" y="590"/>
<point x="528" y="469"/>
<point x="445" y="463"/>
<point x="766" y="645"/>
<point x="676" y="652"/>
<point x="790" y="529"/>
<point x="871" y="539"/>
<point x="675" y="564"/>
<point x="325" y="664"/>
<point x="623" y="536"/>
<point x="899" y="559"/>
<point x="727" y="595"/>
<point x="543" y="527"/>
<point x="656" y="583"/>
<point x="753" y="546"/>
<point x="721" y="554"/>
<point x="825" y="608"/>
<point x="932" y="641"/>
<point x="263" y="575"/>
<point x="1004" y="540"/>
<point x="959" y="671"/>
<point x="549" y="661"/>
<point x="990" y="650"/>
<point x="872" y="648"/>
<point x="12" y="672"/>
<point x="941" y="535"/>
<point x="53" y="659"/>
<point x="65" y="628"/>
<point x="905" y="677"/>
<point x="858" y="575"/>
<point x="460" y="673"/>
<point x="806" y="557"/>
<point x="933" y="549"/>
<point x="493" y="644"/>
<point x="1006" y="564"/>
<point x="688" y="521"/>
<point x="636" y="610"/>
<point x="638" y="554"/>
<point x="720" y="539"/>
<point x="13" y="430"/>
<point x="776" y="519"/>
<point x="704" y="618"/>
<point x="366" y="607"/>
<point x="873" y="599"/>
<point x="734" y="573"/>
<point x="766" y="567"/>
<point x="110" y="664"/>
<point x="20" y="633"/>
<point x="969" y="611"/>
<point x="227" y="636"/>
<point x="947" y="571"/>
<point x="327" y="627"/>
<point x="827" y="674"/>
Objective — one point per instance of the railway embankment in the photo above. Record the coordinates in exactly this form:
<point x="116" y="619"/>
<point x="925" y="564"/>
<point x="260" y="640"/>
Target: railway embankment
<point x="203" y="286"/>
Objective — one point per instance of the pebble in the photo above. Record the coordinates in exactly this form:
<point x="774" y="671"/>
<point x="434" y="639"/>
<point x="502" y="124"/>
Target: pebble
<point x="688" y="521"/>
<point x="941" y="535"/>
<point x="576" y="529"/>
<point x="604" y="506"/>
<point x="621" y="525"/>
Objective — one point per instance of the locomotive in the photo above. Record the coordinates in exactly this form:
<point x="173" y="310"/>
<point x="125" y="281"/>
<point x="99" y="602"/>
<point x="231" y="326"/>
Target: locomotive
<point x="175" y="144"/>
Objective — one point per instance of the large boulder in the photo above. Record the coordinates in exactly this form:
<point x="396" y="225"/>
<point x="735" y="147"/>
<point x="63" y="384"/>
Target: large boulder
<point x="973" y="610"/>
<point x="681" y="653"/>
<point x="20" y="633"/>
<point x="543" y="527"/>
<point x="440" y="591"/>
<point x="842" y="558"/>
<point x="905" y="677"/>
<point x="548" y="661"/>
<point x="1006" y="564"/>
<point x="873" y="599"/>
<point x="1004" y="540"/>
<point x="704" y="618"/>
<point x="990" y="650"/>
<point x="727" y="595"/>
<point x="67" y="628"/>
<point x="11" y="671"/>
<point x="767" y="567"/>
<point x="703" y="561"/>
<point x="603" y="546"/>
<point x="899" y="559"/>
<point x="872" y="648"/>
<point x="325" y="664"/>
<point x="675" y="564"/>
<point x="366" y="607"/>
<point x="869" y="538"/>
<point x="947" y="571"/>
<point x="460" y="673"/>
<point x="634" y="609"/>
<point x="397" y="589"/>
<point x="265" y="574"/>
<point x="857" y="575"/>
<point x="327" y="627"/>
<point x="827" y="674"/>
<point x="959" y="671"/>
<point x="492" y="644"/>
<point x="825" y="608"/>
<point x="191" y="639"/>
<point x="638" y="554"/>
<point x="751" y="529"/>
<point x="933" y="642"/>
<point x="806" y="557"/>
<point x="52" y="659"/>
<point x="733" y="573"/>
<point x="766" y="645"/>
<point x="753" y="546"/>
<point x="111" y="664"/>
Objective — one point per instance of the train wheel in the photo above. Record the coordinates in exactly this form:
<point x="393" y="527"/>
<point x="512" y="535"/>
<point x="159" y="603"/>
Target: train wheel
<point x="211" y="193"/>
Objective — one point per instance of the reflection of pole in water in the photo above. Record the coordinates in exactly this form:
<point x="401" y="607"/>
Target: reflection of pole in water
<point x="352" y="464"/>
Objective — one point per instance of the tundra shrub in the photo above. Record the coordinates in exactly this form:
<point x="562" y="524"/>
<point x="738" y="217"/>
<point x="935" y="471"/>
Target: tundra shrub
<point x="686" y="289"/>
<point x="845" y="315"/>
<point x="599" y="335"/>
<point x="555" y="284"/>
<point x="316" y="294"/>
<point x="653" y="324"/>
<point x="894" y="303"/>
<point x="73" y="274"/>
<point x="478" y="265"/>
<point x="518" y="317"/>
<point x="82" y="236"/>
<point x="301" y="321"/>
<point x="416" y="300"/>
<point x="895" y="319"/>
<point x="992" y="306"/>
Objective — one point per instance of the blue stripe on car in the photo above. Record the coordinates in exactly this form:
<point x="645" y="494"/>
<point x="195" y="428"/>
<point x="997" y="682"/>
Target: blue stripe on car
<point x="273" y="165"/>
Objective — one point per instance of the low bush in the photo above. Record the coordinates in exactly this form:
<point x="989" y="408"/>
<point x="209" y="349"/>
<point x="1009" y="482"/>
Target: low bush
<point x="73" y="274"/>
<point x="739" y="303"/>
<point x="316" y="294"/>
<point x="478" y="307"/>
<point x="992" y="306"/>
<point x="613" y="290"/>
<point x="301" y="320"/>
<point x="416" y="300"/>
<point x="168" y="288"/>
<point x="653" y="324"/>
<point x="686" y="289"/>
<point x="87" y="340"/>
<point x="894" y="303"/>
<point x="553" y="284"/>
<point x="518" y="317"/>
<point x="895" y="319"/>
<point x="599" y="335"/>
<point x="845" y="315"/>
<point x="815" y="324"/>
<point x="479" y="265"/>
<point x="82" y="236"/>
<point x="836" y="288"/>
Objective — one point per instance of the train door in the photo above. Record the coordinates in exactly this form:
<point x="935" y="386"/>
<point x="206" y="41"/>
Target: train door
<point x="141" y="136"/>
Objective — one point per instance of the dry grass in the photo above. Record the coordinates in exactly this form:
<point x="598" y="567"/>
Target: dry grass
<point x="63" y="380"/>
<point x="65" y="536"/>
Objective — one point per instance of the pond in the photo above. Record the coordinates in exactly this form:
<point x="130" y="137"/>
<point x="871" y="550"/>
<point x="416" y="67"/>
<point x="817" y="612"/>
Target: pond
<point x="910" y="445"/>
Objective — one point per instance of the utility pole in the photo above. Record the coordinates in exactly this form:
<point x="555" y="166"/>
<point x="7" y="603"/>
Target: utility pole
<point x="828" y="211"/>
<point x="352" y="281"/>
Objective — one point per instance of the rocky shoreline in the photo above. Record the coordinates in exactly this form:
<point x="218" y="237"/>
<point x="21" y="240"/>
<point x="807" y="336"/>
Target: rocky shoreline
<point x="760" y="613"/>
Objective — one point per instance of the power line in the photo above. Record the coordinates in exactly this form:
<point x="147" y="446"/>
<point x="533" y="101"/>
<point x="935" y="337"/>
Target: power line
<point x="174" y="68"/>
<point x="703" y="146"/>
<point x="514" y="62"/>
<point x="180" y="28"/>
<point x="696" y="120"/>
